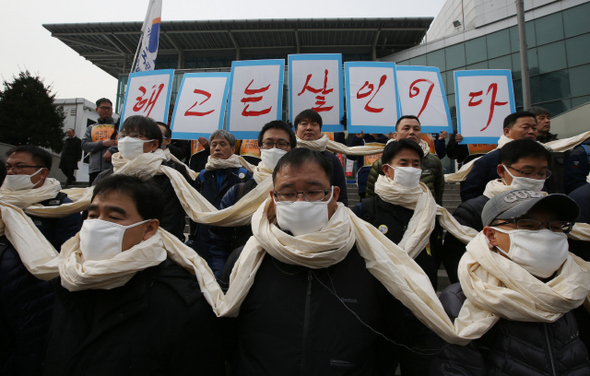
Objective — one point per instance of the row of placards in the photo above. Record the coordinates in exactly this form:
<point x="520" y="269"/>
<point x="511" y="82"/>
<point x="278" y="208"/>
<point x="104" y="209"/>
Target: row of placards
<point x="377" y="94"/>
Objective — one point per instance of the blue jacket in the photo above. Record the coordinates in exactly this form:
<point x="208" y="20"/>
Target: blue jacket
<point x="58" y="230"/>
<point x="484" y="169"/>
<point x="577" y="167"/>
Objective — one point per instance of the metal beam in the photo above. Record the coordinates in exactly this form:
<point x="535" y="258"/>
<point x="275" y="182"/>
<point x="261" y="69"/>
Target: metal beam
<point x="91" y="44"/>
<point x="236" y="45"/>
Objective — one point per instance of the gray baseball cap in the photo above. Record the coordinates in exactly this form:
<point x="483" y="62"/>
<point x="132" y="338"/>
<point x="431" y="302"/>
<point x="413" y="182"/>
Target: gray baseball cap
<point x="517" y="202"/>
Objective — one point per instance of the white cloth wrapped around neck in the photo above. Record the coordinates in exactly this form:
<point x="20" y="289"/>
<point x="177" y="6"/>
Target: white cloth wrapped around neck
<point x="220" y="164"/>
<point x="324" y="143"/>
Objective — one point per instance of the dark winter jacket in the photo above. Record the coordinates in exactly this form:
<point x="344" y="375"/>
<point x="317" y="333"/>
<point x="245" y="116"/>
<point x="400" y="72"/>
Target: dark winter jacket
<point x="223" y="240"/>
<point x="577" y="167"/>
<point x="158" y="323"/>
<point x="513" y="347"/>
<point x="432" y="175"/>
<point x="301" y="321"/>
<point x="26" y="304"/>
<point x="71" y="154"/>
<point x="58" y="230"/>
<point x="467" y="214"/>
<point x="546" y="138"/>
<point x="483" y="170"/>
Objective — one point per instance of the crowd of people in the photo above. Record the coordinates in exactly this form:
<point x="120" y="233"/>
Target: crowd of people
<point x="277" y="276"/>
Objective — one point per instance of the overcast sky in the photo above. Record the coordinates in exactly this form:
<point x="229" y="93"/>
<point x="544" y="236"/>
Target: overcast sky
<point x="26" y="44"/>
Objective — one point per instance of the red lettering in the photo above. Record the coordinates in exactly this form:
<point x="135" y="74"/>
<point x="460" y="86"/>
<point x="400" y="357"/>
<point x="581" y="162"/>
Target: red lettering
<point x="141" y="102"/>
<point x="414" y="90"/>
<point x="197" y="113"/>
<point x="320" y="99"/>
<point x="473" y="95"/>
<point x="248" y="91"/>
<point x="360" y="95"/>
<point x="494" y="88"/>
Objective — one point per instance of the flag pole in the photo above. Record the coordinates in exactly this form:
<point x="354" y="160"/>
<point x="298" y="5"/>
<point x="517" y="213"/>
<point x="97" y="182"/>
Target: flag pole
<point x="136" y="52"/>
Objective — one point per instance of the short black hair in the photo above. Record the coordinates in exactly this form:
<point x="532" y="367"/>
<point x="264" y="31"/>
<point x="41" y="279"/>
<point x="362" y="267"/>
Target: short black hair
<point x="412" y="117"/>
<point x="103" y="100"/>
<point x="514" y="150"/>
<point x="168" y="132"/>
<point x="148" y="197"/>
<point x="538" y="110"/>
<point x="309" y="115"/>
<point x="510" y="120"/>
<point x="299" y="157"/>
<point x="144" y="125"/>
<point x="40" y="156"/>
<point x="394" y="147"/>
<point x="278" y="124"/>
<point x="2" y="171"/>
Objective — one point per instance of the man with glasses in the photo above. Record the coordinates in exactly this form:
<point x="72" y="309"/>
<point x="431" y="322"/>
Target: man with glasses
<point x="520" y="271"/>
<point x="275" y="139"/>
<point x="100" y="140"/>
<point x="313" y="307"/>
<point x="523" y="164"/>
<point x="27" y="183"/>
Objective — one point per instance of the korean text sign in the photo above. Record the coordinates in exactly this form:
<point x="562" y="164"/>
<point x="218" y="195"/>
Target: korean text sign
<point x="200" y="105"/>
<point x="148" y="94"/>
<point x="315" y="81"/>
<point x="422" y="94"/>
<point x="371" y="94"/>
<point x="256" y="96"/>
<point x="484" y="98"/>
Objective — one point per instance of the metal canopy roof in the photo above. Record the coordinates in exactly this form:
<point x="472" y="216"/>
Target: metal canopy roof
<point x="111" y="46"/>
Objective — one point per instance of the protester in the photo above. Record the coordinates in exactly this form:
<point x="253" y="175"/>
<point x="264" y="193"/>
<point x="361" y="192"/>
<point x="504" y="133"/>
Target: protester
<point x="519" y="270"/>
<point x="404" y="211"/>
<point x="275" y="139"/>
<point x="455" y="150"/>
<point x="312" y="297"/>
<point x="408" y="126"/>
<point x="26" y="303"/>
<point x="439" y="143"/>
<point x="70" y="156"/>
<point x="222" y="171"/>
<point x="577" y="167"/>
<point x="308" y="128"/>
<point x="27" y="183"/>
<point x="517" y="125"/>
<point x="543" y="124"/>
<point x="100" y="140"/>
<point x="140" y="155"/>
<point x="522" y="164"/>
<point x="123" y="307"/>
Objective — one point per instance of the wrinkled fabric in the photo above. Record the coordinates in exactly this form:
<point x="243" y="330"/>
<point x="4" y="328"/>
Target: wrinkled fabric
<point x="324" y="143"/>
<point x="221" y="164"/>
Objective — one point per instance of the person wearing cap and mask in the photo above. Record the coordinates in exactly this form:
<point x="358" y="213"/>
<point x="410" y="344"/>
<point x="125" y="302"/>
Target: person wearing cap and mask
<point x="519" y="272"/>
<point x="522" y="164"/>
<point x="275" y="139"/>
<point x="28" y="182"/>
<point x="405" y="212"/>
<point x="313" y="307"/>
<point x="122" y="306"/>
<point x="139" y="141"/>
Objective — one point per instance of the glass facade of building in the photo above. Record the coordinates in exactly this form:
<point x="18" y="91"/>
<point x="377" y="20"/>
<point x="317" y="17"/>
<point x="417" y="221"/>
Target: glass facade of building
<point x="558" y="53"/>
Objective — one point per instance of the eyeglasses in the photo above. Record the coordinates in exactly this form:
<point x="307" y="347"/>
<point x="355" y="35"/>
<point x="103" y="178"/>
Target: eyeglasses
<point x="18" y="168"/>
<point x="534" y="225"/>
<point x="533" y="175"/>
<point x="131" y="134"/>
<point x="281" y="145"/>
<point x="105" y="108"/>
<point x="312" y="195"/>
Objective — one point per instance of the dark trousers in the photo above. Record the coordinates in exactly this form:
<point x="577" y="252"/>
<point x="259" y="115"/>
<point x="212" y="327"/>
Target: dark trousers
<point x="91" y="177"/>
<point x="69" y="173"/>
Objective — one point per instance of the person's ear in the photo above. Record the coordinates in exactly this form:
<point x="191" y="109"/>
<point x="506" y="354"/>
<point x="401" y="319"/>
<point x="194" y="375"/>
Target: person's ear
<point x="506" y="131"/>
<point x="501" y="171"/>
<point x="336" y="192"/>
<point x="43" y="173"/>
<point x="491" y="235"/>
<point x="395" y="136"/>
<point x="151" y="228"/>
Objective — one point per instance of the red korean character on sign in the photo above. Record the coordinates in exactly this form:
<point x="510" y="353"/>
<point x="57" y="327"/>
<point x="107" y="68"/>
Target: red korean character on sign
<point x="415" y="90"/>
<point x="493" y="103"/>
<point x="144" y="102"/>
<point x="197" y="113"/>
<point x="370" y="88"/>
<point x="320" y="99"/>
<point x="247" y="101"/>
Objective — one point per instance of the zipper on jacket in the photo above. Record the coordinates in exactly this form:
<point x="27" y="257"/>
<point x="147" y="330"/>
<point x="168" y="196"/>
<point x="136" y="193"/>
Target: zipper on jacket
<point x="550" y="349"/>
<point x="306" y="320"/>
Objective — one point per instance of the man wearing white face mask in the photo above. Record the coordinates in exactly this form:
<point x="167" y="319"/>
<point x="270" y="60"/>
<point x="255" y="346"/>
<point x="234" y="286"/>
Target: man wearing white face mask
<point x="27" y="183"/>
<point x="404" y="211"/>
<point x="520" y="271"/>
<point x="275" y="139"/>
<point x="522" y="164"/>
<point x="139" y="139"/>
<point x="321" y="315"/>
<point x="122" y="306"/>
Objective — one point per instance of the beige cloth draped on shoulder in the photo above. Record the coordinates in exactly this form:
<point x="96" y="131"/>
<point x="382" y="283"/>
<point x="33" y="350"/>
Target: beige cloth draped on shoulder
<point x="324" y="143"/>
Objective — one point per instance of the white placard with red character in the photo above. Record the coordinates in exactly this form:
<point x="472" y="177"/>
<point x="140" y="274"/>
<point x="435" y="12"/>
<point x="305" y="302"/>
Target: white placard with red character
<point x="484" y="98"/>
<point x="422" y="94"/>
<point x="371" y="94"/>
<point x="256" y="96"/>
<point x="315" y="81"/>
<point x="148" y="94"/>
<point x="200" y="105"/>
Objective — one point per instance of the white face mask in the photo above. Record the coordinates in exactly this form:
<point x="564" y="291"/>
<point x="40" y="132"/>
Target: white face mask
<point x="302" y="217"/>
<point x="270" y="157"/>
<point x="20" y="182"/>
<point x="131" y="147"/>
<point x="102" y="240"/>
<point x="540" y="253"/>
<point x="407" y="176"/>
<point x="519" y="182"/>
